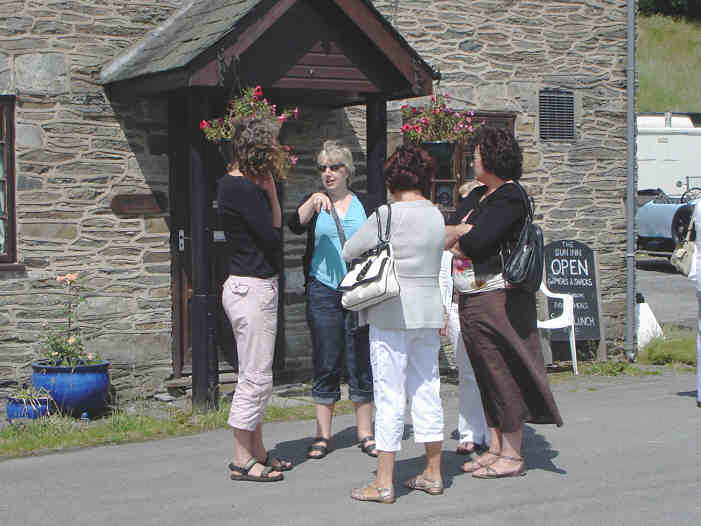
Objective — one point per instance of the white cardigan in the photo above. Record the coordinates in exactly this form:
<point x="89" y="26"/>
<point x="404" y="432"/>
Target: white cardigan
<point x="418" y="239"/>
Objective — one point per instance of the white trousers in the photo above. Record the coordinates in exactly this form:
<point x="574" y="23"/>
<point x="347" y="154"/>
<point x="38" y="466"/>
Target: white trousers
<point x="472" y="426"/>
<point x="698" y="351"/>
<point x="405" y="363"/>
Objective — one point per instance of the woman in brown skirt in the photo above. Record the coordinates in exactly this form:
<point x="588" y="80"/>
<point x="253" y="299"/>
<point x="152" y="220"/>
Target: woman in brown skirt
<point x="498" y="322"/>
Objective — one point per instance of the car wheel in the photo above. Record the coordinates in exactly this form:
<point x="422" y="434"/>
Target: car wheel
<point x="680" y="224"/>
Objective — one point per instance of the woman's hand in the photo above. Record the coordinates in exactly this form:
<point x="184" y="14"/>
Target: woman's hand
<point x="316" y="202"/>
<point x="455" y="232"/>
<point x="320" y="201"/>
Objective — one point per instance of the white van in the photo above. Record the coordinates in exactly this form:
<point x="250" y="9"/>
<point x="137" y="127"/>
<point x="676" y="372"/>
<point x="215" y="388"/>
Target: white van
<point x="669" y="154"/>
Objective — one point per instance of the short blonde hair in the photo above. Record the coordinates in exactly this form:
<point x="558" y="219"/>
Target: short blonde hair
<point x="333" y="151"/>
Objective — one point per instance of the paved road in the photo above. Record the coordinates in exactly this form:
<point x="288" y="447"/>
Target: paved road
<point x="629" y="453"/>
<point x="671" y="296"/>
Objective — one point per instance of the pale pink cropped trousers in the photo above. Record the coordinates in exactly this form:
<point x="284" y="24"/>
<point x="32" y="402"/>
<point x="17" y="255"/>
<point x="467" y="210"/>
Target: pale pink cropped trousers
<point x="251" y="306"/>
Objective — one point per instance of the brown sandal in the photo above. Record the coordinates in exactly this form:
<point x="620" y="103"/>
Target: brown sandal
<point x="491" y="473"/>
<point x="476" y="464"/>
<point x="244" y="475"/>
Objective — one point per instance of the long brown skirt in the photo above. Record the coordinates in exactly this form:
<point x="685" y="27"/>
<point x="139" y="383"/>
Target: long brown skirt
<point x="501" y="338"/>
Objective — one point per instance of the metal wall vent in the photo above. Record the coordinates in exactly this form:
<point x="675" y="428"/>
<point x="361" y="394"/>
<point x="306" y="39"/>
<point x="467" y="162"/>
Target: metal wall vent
<point x="556" y="115"/>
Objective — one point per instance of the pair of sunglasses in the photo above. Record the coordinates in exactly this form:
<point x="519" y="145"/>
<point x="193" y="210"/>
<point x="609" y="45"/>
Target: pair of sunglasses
<point x="333" y="167"/>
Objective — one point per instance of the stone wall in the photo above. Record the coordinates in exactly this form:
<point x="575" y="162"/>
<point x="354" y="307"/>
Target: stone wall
<point x="76" y="150"/>
<point x="497" y="55"/>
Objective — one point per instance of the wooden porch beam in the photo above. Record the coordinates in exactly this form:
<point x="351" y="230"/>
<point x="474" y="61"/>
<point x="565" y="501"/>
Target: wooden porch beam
<point x="367" y="22"/>
<point x="376" y="118"/>
<point x="205" y="70"/>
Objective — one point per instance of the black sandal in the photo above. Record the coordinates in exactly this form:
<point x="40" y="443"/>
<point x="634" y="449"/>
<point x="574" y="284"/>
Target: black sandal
<point x="323" y="449"/>
<point x="263" y="477"/>
<point x="368" y="448"/>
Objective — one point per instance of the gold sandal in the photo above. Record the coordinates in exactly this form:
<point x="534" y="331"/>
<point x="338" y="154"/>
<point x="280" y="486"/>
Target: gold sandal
<point x="432" y="487"/>
<point x="384" y="495"/>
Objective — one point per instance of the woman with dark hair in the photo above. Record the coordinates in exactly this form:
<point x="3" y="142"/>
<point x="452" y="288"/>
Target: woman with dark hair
<point x="250" y="213"/>
<point x="404" y="340"/>
<point x="498" y="321"/>
<point x="331" y="326"/>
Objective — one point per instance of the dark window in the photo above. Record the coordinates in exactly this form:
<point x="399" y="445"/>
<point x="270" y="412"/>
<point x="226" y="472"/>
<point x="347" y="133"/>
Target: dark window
<point x="461" y="167"/>
<point x="445" y="188"/>
<point x="7" y="180"/>
<point x="556" y="115"/>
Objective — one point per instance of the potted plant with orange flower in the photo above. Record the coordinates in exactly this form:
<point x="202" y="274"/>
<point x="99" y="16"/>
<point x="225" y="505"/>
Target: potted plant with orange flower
<point x="77" y="380"/>
<point x="250" y="104"/>
<point x="437" y="128"/>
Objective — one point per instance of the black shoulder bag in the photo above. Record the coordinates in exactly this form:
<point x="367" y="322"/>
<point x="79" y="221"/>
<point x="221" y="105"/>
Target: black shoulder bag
<point x="523" y="259"/>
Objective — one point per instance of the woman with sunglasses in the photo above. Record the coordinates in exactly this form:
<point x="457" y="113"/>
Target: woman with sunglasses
<point x="322" y="215"/>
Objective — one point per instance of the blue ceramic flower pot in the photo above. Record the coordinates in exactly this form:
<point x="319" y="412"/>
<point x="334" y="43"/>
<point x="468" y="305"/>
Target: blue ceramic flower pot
<point x="77" y="389"/>
<point x="30" y="409"/>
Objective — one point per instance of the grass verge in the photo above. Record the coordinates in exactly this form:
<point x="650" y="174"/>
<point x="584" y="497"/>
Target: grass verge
<point x="57" y="432"/>
<point x="676" y="348"/>
<point x="608" y="368"/>
<point x="668" y="64"/>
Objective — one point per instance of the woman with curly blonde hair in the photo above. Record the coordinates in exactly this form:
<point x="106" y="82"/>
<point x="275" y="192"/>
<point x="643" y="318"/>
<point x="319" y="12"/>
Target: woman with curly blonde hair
<point x="249" y="210"/>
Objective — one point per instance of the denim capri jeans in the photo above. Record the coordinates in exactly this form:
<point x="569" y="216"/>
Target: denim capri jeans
<point x="333" y="347"/>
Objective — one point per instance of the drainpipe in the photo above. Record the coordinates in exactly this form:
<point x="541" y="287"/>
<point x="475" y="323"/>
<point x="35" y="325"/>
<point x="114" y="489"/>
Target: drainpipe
<point x="629" y="345"/>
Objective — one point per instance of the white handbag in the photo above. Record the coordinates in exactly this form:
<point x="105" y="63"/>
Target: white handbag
<point x="685" y="253"/>
<point x="372" y="277"/>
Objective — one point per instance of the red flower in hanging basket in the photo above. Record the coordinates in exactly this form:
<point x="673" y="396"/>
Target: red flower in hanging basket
<point x="250" y="104"/>
<point x="435" y="122"/>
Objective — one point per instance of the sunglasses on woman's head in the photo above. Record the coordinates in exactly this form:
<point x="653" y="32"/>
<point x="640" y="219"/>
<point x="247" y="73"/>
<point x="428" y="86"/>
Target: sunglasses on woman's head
<point x="333" y="167"/>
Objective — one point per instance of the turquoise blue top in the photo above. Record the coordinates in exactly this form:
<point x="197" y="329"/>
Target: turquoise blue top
<point x="327" y="265"/>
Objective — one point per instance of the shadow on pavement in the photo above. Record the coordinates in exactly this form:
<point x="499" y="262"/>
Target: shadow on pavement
<point x="296" y="450"/>
<point x="657" y="265"/>
<point x="686" y="393"/>
<point x="538" y="453"/>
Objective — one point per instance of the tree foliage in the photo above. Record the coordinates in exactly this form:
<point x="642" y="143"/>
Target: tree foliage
<point x="685" y="8"/>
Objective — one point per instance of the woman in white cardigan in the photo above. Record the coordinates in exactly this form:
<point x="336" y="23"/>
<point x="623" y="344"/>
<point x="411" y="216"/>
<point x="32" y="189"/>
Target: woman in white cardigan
<point x="404" y="339"/>
<point x="472" y="426"/>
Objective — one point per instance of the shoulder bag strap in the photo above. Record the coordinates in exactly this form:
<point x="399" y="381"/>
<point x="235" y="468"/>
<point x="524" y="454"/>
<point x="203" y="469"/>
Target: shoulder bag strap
<point x="384" y="239"/>
<point x="691" y="227"/>
<point x="339" y="227"/>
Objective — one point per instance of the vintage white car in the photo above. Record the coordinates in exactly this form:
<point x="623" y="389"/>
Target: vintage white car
<point x="663" y="221"/>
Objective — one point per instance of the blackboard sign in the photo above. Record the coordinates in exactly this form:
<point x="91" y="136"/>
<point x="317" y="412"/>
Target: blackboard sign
<point x="570" y="269"/>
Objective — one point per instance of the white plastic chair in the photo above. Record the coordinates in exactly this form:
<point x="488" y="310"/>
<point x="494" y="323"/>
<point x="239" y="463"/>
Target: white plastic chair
<point x="566" y="319"/>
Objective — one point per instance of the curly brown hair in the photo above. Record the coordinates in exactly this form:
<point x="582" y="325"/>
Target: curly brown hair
<point x="409" y="168"/>
<point x="257" y="152"/>
<point x="499" y="151"/>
